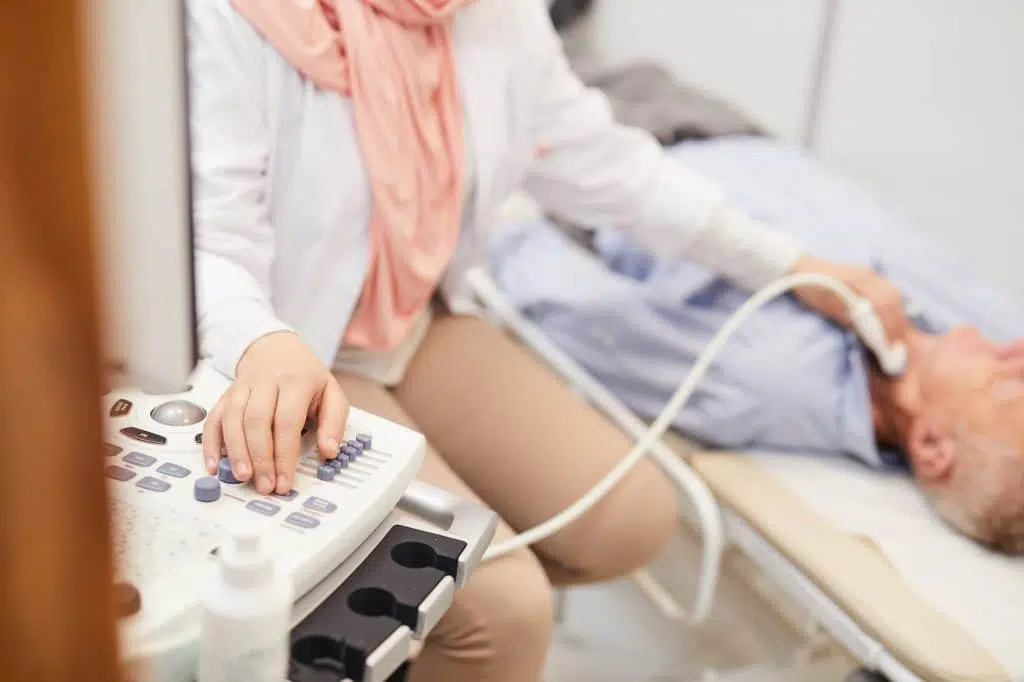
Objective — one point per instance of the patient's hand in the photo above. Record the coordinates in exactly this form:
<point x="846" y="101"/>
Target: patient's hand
<point x="882" y="294"/>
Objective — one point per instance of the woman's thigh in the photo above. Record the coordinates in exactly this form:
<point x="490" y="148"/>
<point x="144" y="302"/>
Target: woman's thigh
<point x="529" y="448"/>
<point x="371" y="397"/>
<point x="501" y="621"/>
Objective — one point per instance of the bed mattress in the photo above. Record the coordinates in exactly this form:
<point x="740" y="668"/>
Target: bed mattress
<point x="946" y="609"/>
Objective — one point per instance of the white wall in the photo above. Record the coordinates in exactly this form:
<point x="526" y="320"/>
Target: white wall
<point x="924" y="99"/>
<point x="758" y="55"/>
<point x="925" y="104"/>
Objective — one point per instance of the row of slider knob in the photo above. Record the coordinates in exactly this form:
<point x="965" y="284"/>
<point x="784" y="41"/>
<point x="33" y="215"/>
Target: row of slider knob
<point x="346" y="454"/>
<point x="207" y="489"/>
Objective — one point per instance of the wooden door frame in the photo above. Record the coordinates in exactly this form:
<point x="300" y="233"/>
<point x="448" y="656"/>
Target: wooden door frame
<point x="57" y="614"/>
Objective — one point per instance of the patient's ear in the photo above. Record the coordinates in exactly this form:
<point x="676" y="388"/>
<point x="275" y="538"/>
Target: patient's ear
<point x="932" y="448"/>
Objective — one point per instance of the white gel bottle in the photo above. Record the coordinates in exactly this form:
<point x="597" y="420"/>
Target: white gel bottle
<point x="245" y="616"/>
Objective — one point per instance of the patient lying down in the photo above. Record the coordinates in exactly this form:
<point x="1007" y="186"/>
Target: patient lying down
<point x="958" y="414"/>
<point x="790" y="380"/>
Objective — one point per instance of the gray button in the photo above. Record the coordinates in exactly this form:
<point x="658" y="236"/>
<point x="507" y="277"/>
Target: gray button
<point x="109" y="449"/>
<point x="178" y="413"/>
<point x="173" y="470"/>
<point x="263" y="507"/>
<point x="144" y="436"/>
<point x="365" y="439"/>
<point x="119" y="473"/>
<point x="207" y="489"/>
<point x="290" y="495"/>
<point x="224" y="472"/>
<point x="355" y="444"/>
<point x="139" y="459"/>
<point x="320" y="504"/>
<point x="326" y="472"/>
<point x="153" y="484"/>
<point x="351" y="452"/>
<point x="302" y="521"/>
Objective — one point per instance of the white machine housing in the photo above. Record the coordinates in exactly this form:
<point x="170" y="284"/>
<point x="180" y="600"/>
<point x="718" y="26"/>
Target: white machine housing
<point x="139" y="141"/>
<point x="165" y="536"/>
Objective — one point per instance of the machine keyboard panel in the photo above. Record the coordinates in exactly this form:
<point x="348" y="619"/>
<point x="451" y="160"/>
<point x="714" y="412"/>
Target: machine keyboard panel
<point x="170" y="515"/>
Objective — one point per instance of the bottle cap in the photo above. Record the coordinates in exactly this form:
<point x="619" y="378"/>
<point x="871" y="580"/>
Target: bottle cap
<point x="244" y="561"/>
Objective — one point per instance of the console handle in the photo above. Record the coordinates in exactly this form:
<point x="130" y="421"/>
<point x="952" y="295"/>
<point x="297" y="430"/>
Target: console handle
<point x="468" y="521"/>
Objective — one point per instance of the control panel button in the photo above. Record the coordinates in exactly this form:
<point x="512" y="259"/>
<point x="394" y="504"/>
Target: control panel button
<point x="326" y="472"/>
<point x="139" y="459"/>
<point x="263" y="507"/>
<point x="337" y="463"/>
<point x="206" y="489"/>
<point x="356" y="444"/>
<point x="173" y="470"/>
<point x="144" y="436"/>
<point x="351" y="452"/>
<point x="224" y="472"/>
<point x="119" y="473"/>
<point x="128" y="599"/>
<point x="366" y="440"/>
<point x="120" y="408"/>
<point x="111" y="450"/>
<point x="320" y="504"/>
<point x="302" y="520"/>
<point x="178" y="413"/>
<point x="153" y="484"/>
<point x="290" y="495"/>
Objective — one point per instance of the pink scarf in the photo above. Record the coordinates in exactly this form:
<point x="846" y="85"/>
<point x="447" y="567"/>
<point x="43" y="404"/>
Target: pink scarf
<point x="394" y="58"/>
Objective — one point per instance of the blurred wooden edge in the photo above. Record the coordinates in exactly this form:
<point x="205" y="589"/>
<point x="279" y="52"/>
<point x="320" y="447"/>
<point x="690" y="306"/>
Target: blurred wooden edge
<point x="56" y="598"/>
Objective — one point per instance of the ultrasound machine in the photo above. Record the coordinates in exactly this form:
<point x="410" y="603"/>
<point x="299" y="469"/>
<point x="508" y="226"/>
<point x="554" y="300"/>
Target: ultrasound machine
<point x="374" y="556"/>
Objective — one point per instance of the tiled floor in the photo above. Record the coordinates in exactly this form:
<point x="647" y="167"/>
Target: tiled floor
<point x="612" y="633"/>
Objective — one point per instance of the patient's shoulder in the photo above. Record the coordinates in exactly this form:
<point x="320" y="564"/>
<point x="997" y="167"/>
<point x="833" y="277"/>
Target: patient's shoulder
<point x="796" y="365"/>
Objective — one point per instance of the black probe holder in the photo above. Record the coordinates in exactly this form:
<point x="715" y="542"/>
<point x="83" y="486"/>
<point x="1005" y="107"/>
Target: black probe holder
<point x="381" y="596"/>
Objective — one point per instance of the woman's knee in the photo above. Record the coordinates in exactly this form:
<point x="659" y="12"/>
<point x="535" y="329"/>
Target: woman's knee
<point x="512" y="600"/>
<point x="498" y="629"/>
<point x="631" y="527"/>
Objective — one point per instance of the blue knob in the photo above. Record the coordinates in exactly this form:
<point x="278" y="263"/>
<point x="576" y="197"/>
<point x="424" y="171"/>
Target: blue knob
<point x="224" y="472"/>
<point x="366" y="440"/>
<point x="207" y="489"/>
<point x="326" y="472"/>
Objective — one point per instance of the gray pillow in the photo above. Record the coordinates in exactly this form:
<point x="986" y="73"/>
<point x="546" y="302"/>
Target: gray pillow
<point x="647" y="96"/>
<point x="643" y="94"/>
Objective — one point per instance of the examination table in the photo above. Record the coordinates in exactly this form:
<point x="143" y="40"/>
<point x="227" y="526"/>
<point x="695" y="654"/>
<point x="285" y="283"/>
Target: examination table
<point x="858" y="550"/>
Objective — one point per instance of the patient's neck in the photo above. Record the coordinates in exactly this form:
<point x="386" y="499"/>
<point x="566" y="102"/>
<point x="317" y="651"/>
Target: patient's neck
<point x="896" y="401"/>
<point x="891" y="419"/>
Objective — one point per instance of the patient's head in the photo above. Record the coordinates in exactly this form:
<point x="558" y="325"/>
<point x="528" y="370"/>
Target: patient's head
<point x="964" y="432"/>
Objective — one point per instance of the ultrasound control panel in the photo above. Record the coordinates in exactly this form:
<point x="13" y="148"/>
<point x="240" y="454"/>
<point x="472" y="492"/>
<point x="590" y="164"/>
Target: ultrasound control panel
<point x="170" y="515"/>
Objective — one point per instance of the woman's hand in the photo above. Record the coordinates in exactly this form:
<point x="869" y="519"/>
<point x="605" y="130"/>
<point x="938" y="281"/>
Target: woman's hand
<point x="883" y="295"/>
<point x="258" y="421"/>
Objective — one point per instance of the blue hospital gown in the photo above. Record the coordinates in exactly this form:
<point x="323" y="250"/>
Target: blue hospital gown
<point x="788" y="379"/>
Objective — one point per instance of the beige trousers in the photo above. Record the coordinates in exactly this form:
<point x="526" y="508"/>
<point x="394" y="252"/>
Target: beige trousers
<point x="504" y="430"/>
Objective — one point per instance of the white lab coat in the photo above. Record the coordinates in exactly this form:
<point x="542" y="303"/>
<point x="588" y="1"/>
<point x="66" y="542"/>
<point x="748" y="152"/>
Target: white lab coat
<point x="282" y="203"/>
